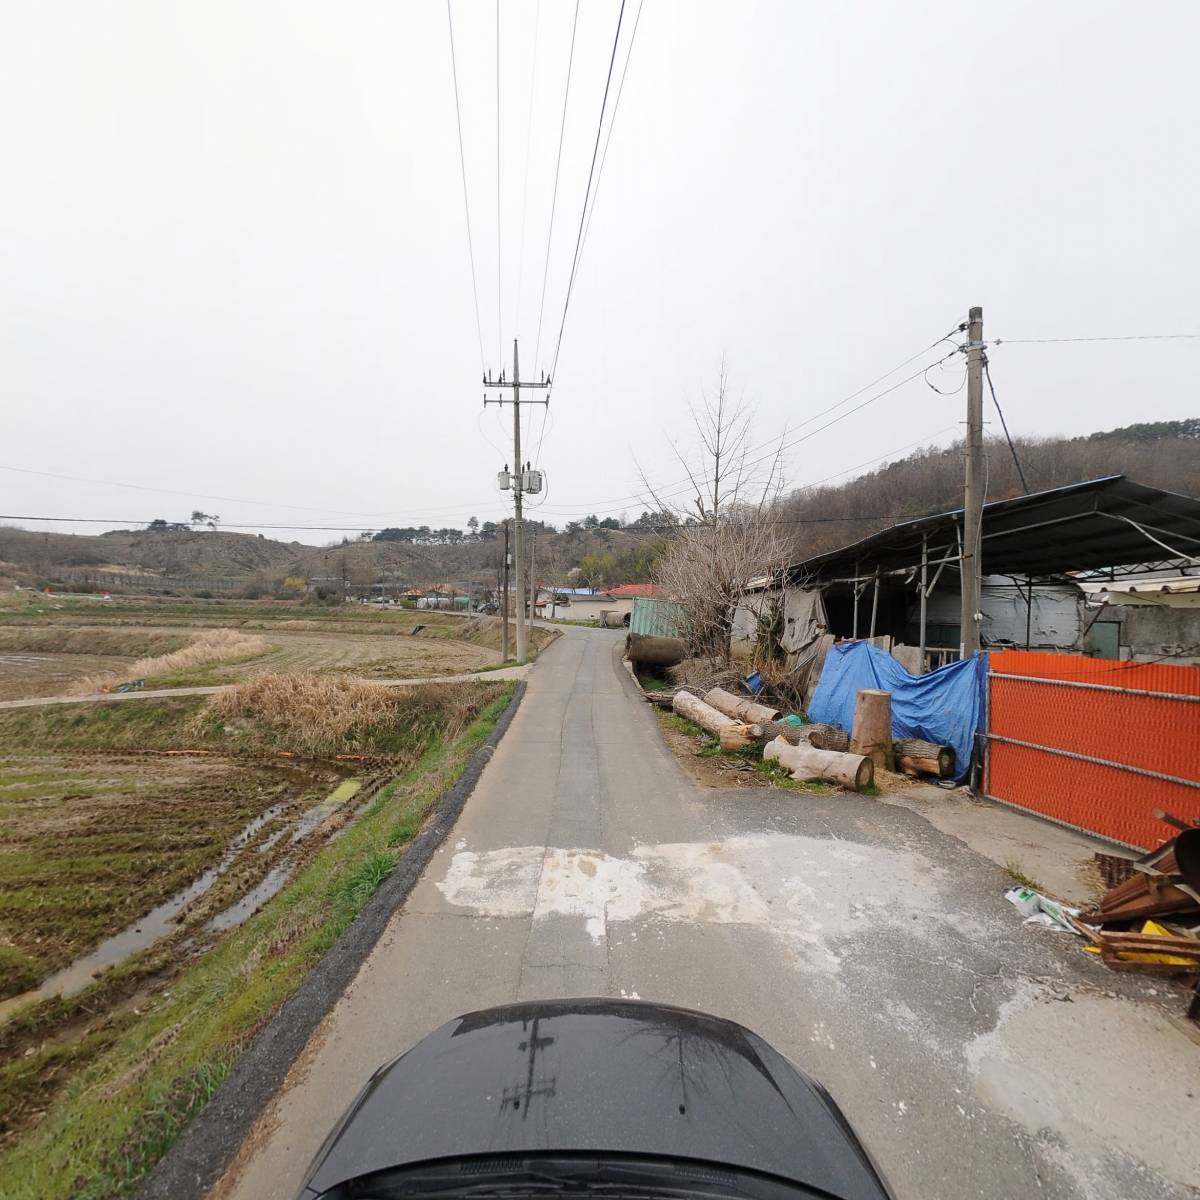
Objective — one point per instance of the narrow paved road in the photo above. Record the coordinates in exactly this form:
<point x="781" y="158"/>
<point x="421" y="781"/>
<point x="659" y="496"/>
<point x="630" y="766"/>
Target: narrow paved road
<point x="976" y="1057"/>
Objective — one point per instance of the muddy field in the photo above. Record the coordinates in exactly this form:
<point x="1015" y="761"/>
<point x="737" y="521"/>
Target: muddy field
<point x="25" y="675"/>
<point x="89" y="844"/>
<point x="52" y="651"/>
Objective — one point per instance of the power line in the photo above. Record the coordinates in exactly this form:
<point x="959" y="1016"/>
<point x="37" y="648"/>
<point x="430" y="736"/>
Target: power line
<point x="537" y="24"/>
<point x="139" y="487"/>
<point x="612" y="122"/>
<point x="125" y="521"/>
<point x="599" y="176"/>
<point x="987" y="373"/>
<point x="1132" y="337"/>
<point x="846" y="399"/>
<point x="639" y="497"/>
<point x="499" y="239"/>
<point x="191" y="495"/>
<point x="462" y="159"/>
<point x="587" y="193"/>
<point x="554" y="198"/>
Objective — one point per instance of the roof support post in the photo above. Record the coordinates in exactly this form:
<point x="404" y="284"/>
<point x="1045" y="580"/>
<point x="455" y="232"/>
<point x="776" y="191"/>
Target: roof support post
<point x="924" y="594"/>
<point x="1028" y="608"/>
<point x="874" y="604"/>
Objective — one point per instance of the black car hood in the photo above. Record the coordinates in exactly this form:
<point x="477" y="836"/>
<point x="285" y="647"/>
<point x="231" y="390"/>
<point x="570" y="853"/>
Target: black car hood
<point x="593" y="1076"/>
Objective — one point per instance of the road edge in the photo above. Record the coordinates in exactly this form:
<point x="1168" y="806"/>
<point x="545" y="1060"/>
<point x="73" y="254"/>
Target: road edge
<point x="212" y="1139"/>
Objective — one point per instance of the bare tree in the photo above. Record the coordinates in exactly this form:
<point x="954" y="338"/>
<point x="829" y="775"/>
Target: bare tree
<point x="710" y="568"/>
<point x="722" y="469"/>
<point x="730" y="534"/>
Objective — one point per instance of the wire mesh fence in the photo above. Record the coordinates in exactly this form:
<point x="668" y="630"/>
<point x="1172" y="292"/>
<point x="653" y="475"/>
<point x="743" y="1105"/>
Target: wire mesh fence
<point x="1095" y="744"/>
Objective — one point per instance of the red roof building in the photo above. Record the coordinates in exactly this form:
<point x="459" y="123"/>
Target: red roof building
<point x="628" y="591"/>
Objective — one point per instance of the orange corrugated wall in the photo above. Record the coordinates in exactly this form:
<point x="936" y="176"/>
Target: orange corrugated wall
<point x="1152" y="733"/>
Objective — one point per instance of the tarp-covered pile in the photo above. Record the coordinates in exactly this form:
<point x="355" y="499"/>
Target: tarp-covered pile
<point x="945" y="706"/>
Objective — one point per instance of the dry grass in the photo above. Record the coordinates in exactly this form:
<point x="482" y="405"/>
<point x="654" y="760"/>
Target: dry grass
<point x="58" y="639"/>
<point x="212" y="646"/>
<point x="315" y="709"/>
<point x="322" y="714"/>
<point x="698" y="675"/>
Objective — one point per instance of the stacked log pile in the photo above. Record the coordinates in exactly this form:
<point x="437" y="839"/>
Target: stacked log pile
<point x="807" y="752"/>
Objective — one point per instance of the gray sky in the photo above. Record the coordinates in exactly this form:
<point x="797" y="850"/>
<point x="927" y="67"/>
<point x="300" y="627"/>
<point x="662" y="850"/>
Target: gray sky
<point x="233" y="254"/>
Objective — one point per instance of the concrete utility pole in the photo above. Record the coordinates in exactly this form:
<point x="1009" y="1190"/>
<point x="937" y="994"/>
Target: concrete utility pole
<point x="521" y="482"/>
<point x="518" y="494"/>
<point x="532" y="573"/>
<point x="504" y="600"/>
<point x="973" y="498"/>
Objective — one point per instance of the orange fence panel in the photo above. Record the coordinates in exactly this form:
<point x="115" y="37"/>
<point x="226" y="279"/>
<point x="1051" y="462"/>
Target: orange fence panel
<point x="1094" y="744"/>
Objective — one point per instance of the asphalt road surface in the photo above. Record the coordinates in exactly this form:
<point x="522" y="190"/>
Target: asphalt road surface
<point x="976" y="1057"/>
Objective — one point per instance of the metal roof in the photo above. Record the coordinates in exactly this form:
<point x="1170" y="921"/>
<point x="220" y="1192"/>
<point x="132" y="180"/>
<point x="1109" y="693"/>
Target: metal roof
<point x="1111" y="522"/>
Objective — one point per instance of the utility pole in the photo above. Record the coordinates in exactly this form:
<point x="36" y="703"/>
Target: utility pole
<point x="532" y="575"/>
<point x="971" y="557"/>
<point x="521" y="481"/>
<point x="504" y="600"/>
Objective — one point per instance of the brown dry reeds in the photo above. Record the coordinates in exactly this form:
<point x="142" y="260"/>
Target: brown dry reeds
<point x="211" y="646"/>
<point x="327" y="714"/>
<point x="316" y="711"/>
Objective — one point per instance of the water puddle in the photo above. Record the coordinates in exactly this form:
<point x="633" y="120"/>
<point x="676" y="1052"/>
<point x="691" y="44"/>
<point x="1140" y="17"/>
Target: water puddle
<point x="157" y="923"/>
<point x="244" y="908"/>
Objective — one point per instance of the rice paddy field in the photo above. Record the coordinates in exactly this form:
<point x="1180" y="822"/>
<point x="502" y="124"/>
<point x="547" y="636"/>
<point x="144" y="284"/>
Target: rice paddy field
<point x="171" y="868"/>
<point x="76" y="645"/>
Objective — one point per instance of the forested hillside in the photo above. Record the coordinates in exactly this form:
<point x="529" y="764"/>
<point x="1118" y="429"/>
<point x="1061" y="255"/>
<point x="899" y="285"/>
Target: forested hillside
<point x="601" y="553"/>
<point x="1163" y="454"/>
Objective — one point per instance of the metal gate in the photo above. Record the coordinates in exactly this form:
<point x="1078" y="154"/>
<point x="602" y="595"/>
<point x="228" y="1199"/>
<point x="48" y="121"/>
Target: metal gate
<point x="1094" y="744"/>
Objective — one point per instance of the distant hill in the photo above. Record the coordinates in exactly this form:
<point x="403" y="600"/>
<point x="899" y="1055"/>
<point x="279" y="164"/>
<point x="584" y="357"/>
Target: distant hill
<point x="1163" y="454"/>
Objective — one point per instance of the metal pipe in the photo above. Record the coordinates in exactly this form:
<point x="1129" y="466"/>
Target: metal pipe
<point x="1028" y="609"/>
<point x="874" y="604"/>
<point x="924" y="594"/>
<point x="1091" y="758"/>
<point x="1096" y="687"/>
<point x="854" y="591"/>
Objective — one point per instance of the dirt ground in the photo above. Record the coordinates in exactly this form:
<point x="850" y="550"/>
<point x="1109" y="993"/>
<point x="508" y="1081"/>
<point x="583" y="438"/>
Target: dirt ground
<point x="48" y="674"/>
<point x="91" y="842"/>
<point x="380" y="654"/>
<point x="699" y="757"/>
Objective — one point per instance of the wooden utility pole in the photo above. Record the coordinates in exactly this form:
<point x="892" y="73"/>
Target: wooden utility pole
<point x="519" y="485"/>
<point x="973" y="498"/>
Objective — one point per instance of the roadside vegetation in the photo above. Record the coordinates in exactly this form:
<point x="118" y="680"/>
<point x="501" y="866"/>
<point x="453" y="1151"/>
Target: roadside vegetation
<point x="95" y="1086"/>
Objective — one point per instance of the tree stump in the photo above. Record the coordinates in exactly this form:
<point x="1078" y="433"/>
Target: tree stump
<point x="872" y="731"/>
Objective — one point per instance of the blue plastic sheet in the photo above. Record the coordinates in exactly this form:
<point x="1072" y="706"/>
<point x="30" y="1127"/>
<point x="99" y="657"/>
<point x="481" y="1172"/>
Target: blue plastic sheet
<point x="945" y="706"/>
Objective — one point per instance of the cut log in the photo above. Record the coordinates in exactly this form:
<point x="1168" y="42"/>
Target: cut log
<point x="827" y="737"/>
<point x="738" y="737"/>
<point x="739" y="707"/>
<point x="820" y="737"/>
<point x="872" y="731"/>
<point x="655" y="651"/>
<point x="734" y="735"/>
<point x="916" y="757"/>
<point x="854" y="771"/>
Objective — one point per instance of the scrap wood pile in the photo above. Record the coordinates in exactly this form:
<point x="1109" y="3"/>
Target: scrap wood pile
<point x="811" y="752"/>
<point x="1128" y="929"/>
<point x="1163" y="883"/>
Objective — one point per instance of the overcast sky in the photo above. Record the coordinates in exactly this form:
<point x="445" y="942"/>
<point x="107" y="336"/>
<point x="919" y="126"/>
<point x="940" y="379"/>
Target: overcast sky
<point x="234" y="256"/>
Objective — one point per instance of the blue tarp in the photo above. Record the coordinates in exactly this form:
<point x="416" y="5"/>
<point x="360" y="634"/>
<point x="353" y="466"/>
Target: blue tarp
<point x="945" y="706"/>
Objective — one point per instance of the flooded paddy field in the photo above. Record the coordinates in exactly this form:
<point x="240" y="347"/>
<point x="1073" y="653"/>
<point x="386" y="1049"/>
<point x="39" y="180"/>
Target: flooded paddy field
<point x="103" y="854"/>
